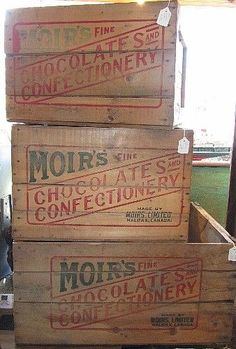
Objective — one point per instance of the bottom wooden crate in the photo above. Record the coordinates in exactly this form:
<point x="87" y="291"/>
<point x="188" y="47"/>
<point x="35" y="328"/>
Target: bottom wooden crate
<point x="116" y="293"/>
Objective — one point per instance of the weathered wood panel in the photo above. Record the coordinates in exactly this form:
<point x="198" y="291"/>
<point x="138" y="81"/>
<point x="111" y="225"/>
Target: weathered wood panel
<point x="36" y="287"/>
<point x="203" y="227"/>
<point x="91" y="110"/>
<point x="117" y="66"/>
<point x="114" y="27"/>
<point x="121" y="75"/>
<point x="100" y="249"/>
<point x="204" y="323"/>
<point x="72" y="182"/>
<point x="124" y="293"/>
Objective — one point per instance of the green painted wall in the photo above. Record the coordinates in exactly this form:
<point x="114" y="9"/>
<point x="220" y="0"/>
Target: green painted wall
<point x="210" y="190"/>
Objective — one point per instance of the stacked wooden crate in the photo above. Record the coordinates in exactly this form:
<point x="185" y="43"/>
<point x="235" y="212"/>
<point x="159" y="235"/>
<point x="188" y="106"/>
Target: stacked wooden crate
<point x="101" y="214"/>
<point x="91" y="64"/>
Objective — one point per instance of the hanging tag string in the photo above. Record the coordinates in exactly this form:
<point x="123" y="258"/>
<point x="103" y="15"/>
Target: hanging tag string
<point x="164" y="16"/>
<point x="184" y="132"/>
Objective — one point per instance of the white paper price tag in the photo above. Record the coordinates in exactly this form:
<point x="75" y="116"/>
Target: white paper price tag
<point x="232" y="254"/>
<point x="164" y="17"/>
<point x="183" y="147"/>
<point x="6" y="301"/>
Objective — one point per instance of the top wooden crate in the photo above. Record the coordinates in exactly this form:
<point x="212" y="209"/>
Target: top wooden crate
<point x="97" y="64"/>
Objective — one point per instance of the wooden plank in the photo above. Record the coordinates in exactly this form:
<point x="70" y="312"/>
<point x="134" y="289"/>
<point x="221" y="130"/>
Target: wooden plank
<point x="148" y="142"/>
<point x="36" y="78"/>
<point x="23" y="252"/>
<point x="205" y="228"/>
<point x="36" y="287"/>
<point x="205" y="323"/>
<point x="121" y="188"/>
<point x="8" y="342"/>
<point x="83" y="28"/>
<point x="93" y="110"/>
<point x="115" y="220"/>
<point x="47" y="232"/>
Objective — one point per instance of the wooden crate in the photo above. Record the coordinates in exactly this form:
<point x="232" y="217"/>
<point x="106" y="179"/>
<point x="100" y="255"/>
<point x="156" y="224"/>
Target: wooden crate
<point x="99" y="183"/>
<point x="127" y="293"/>
<point x="98" y="64"/>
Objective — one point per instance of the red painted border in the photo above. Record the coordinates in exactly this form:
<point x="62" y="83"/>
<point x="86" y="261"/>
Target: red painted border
<point x="187" y="259"/>
<point x="83" y="105"/>
<point x="106" y="225"/>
